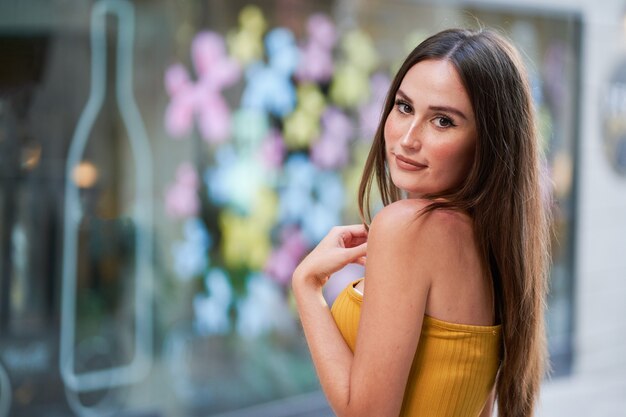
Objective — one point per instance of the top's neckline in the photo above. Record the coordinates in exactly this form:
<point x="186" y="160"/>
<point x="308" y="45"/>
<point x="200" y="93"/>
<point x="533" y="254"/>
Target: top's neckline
<point x="435" y="321"/>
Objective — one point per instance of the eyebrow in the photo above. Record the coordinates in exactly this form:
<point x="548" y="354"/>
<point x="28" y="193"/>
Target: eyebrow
<point x="446" y="109"/>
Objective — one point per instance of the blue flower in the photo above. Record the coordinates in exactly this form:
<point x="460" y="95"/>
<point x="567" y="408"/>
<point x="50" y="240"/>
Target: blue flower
<point x="318" y="221"/>
<point x="269" y="87"/>
<point x="234" y="181"/>
<point x="191" y="254"/>
<point x="264" y="309"/>
<point x="310" y="197"/>
<point x="330" y="190"/>
<point x="250" y="127"/>
<point x="211" y="310"/>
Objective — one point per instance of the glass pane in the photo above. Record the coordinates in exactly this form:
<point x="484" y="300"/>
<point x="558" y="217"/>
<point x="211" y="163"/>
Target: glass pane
<point x="164" y="165"/>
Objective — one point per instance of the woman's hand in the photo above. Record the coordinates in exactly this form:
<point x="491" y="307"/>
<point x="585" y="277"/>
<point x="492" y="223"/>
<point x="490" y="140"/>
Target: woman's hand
<point x="341" y="246"/>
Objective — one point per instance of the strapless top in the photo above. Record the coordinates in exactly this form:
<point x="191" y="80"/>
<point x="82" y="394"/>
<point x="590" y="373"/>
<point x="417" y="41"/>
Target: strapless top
<point x="454" y="367"/>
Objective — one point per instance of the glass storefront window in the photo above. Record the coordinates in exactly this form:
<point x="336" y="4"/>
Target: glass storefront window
<point x="164" y="165"/>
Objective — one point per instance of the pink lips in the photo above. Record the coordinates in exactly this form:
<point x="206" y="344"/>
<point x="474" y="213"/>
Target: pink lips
<point x="408" y="164"/>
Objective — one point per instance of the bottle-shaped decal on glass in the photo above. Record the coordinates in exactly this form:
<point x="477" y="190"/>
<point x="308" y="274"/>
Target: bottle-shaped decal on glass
<point x="5" y="392"/>
<point x="107" y="247"/>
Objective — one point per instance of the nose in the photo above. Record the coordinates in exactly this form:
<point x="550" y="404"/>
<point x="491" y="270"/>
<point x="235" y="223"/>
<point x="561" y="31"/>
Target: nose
<point x="411" y="140"/>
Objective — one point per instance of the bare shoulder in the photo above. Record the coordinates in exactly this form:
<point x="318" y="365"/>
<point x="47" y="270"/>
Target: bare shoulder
<point x="438" y="236"/>
<point x="433" y="258"/>
<point x="407" y="216"/>
<point x="398" y="214"/>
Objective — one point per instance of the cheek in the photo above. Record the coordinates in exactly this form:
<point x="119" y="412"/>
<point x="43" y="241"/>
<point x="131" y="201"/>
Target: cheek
<point x="458" y="157"/>
<point x="392" y="129"/>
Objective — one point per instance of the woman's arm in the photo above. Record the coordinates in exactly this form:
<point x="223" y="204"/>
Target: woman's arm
<point x="331" y="355"/>
<point x="370" y="382"/>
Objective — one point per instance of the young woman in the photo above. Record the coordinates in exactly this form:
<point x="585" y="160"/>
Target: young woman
<point x="449" y="315"/>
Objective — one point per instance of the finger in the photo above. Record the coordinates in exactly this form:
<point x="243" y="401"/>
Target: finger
<point x="355" y="241"/>
<point x="360" y="261"/>
<point x="357" y="252"/>
<point x="352" y="235"/>
<point x="353" y="230"/>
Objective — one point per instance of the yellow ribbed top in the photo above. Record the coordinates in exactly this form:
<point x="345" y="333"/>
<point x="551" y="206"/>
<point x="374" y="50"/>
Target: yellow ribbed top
<point x="454" y="367"/>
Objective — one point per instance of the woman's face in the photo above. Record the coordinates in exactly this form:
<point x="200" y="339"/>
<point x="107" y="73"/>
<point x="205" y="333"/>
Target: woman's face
<point x="430" y="134"/>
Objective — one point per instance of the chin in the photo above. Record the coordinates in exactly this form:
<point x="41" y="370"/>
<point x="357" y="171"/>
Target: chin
<point x="406" y="187"/>
<point x="410" y="192"/>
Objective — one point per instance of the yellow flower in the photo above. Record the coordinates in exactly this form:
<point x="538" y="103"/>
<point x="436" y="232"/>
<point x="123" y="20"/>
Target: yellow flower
<point x="246" y="43"/>
<point x="303" y="125"/>
<point x="246" y="239"/>
<point x="352" y="178"/>
<point x="350" y="86"/>
<point x="357" y="46"/>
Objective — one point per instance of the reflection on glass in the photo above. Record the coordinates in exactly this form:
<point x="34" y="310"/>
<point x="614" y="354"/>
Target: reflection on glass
<point x="107" y="247"/>
<point x="243" y="189"/>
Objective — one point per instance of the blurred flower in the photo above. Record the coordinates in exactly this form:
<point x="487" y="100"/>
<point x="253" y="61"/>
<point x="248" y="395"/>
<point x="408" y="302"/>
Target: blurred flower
<point x="211" y="310"/>
<point x="359" y="50"/>
<point x="295" y="193"/>
<point x="310" y="198"/>
<point x="263" y="309"/>
<point x="350" y="86"/>
<point x="215" y="71"/>
<point x="352" y="178"/>
<point x="338" y="123"/>
<point x="317" y="59"/>
<point x="214" y="68"/>
<point x="284" y="259"/>
<point x="331" y="149"/>
<point x="246" y="238"/>
<point x="370" y="113"/>
<point x="265" y="208"/>
<point x="329" y="189"/>
<point x="269" y="87"/>
<point x="319" y="220"/>
<point x="273" y="150"/>
<point x="290" y="171"/>
<point x="250" y="127"/>
<point x="329" y="152"/>
<point x="245" y="241"/>
<point x="234" y="179"/>
<point x="302" y="125"/>
<point x="191" y="254"/>
<point x="325" y="212"/>
<point x="245" y="43"/>
<point x="181" y="198"/>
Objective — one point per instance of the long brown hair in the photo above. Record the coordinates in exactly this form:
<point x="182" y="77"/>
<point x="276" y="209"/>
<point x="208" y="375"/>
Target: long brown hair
<point x="503" y="193"/>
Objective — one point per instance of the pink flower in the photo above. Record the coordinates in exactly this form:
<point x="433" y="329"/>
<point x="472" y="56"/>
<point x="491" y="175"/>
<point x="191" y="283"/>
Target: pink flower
<point x="371" y="112"/>
<point x="317" y="59"/>
<point x="283" y="261"/>
<point x="331" y="150"/>
<point x="201" y="100"/>
<point x="181" y="198"/>
<point x="273" y="150"/>
<point x="330" y="153"/>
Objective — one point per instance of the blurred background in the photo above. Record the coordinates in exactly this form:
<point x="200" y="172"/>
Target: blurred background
<point x="165" y="164"/>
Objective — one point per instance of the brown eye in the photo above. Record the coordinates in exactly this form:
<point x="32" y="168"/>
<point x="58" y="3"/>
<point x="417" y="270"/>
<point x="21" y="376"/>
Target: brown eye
<point x="443" y="121"/>
<point x="403" y="107"/>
